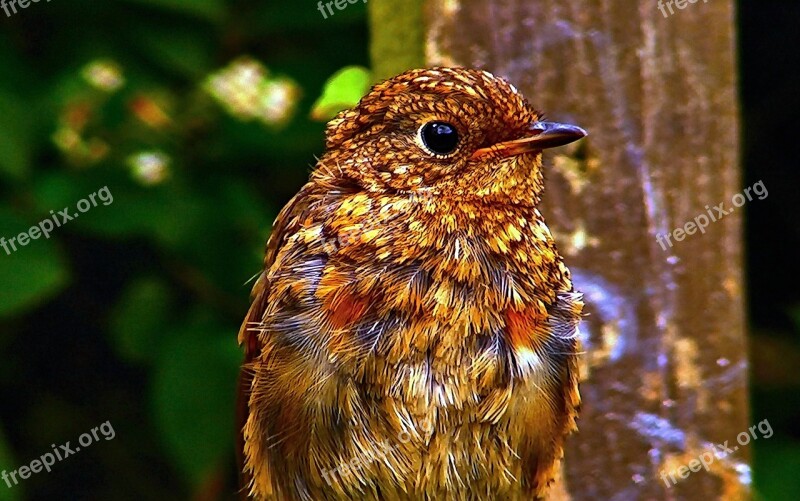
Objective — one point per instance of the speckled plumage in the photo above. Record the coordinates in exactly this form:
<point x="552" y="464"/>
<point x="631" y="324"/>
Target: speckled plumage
<point x="413" y="335"/>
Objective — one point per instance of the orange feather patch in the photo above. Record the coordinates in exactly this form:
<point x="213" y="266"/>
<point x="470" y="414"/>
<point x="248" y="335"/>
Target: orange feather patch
<point x="342" y="310"/>
<point x="524" y="328"/>
<point x="345" y="308"/>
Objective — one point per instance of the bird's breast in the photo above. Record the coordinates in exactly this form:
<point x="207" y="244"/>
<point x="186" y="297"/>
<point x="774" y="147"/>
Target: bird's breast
<point x="416" y="346"/>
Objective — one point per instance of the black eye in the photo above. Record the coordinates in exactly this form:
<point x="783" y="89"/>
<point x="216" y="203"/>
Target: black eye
<point x="440" y="138"/>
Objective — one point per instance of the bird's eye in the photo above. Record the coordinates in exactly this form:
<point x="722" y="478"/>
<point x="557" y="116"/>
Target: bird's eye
<point x="440" y="138"/>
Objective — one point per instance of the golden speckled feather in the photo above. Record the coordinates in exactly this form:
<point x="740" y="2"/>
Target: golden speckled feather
<point x="413" y="334"/>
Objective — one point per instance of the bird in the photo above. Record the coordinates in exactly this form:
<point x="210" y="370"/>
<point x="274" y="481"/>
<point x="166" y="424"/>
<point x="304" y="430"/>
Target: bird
<point x="414" y="332"/>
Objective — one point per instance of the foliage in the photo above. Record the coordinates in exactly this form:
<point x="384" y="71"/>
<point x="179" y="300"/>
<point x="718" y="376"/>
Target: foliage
<point x="195" y="116"/>
<point x="342" y="91"/>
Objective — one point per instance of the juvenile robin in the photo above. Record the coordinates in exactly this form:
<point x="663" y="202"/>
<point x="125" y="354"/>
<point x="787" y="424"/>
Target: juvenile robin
<point x="413" y="333"/>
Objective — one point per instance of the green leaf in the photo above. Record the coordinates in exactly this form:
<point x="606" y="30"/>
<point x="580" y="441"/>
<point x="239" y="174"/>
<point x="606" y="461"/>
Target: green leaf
<point x="31" y="273"/>
<point x="140" y="319"/>
<point x="177" y="49"/>
<point x="16" y="145"/>
<point x="212" y="10"/>
<point x="7" y="463"/>
<point x="132" y="210"/>
<point x="776" y="466"/>
<point x="194" y="394"/>
<point x="343" y="90"/>
<point x="58" y="189"/>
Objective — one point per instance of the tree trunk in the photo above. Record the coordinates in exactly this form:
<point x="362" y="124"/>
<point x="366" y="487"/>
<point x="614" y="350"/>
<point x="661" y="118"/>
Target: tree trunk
<point x="665" y="371"/>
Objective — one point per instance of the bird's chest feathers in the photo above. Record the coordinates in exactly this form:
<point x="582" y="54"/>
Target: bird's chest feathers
<point x="455" y="261"/>
<point x="434" y="302"/>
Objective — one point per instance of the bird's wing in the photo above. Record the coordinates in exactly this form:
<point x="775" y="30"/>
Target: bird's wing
<point x="287" y="223"/>
<point x="563" y="348"/>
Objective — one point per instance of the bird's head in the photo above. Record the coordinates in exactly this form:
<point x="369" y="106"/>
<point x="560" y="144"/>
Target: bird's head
<point x="444" y="131"/>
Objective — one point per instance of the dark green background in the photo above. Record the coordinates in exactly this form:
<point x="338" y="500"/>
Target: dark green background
<point x="129" y="313"/>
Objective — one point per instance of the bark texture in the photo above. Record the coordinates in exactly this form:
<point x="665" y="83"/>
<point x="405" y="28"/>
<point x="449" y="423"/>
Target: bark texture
<point x="665" y="370"/>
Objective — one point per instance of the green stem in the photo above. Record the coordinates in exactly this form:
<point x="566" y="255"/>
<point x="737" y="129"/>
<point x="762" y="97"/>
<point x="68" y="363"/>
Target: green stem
<point x="398" y="36"/>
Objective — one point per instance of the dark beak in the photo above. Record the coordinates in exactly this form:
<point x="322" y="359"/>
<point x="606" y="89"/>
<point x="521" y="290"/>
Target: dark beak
<point x="542" y="135"/>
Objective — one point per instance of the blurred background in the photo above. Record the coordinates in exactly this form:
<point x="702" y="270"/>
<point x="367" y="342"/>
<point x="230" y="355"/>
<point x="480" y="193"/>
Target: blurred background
<point x="201" y="119"/>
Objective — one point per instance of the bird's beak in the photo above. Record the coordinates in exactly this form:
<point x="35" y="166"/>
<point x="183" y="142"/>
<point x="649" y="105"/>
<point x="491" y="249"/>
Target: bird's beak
<point x="542" y="135"/>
